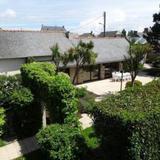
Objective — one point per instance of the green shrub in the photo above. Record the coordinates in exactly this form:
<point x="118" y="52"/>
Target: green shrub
<point x="22" y="111"/>
<point x="129" y="123"/>
<point x="7" y="85"/>
<point x="20" y="97"/>
<point x="136" y="84"/>
<point x="61" y="142"/>
<point x="90" y="138"/>
<point x="81" y="92"/>
<point x="27" y="120"/>
<point x="56" y="91"/>
<point x="2" y="120"/>
<point x="86" y="101"/>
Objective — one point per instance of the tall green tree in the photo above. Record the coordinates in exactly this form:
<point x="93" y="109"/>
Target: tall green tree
<point x="137" y="54"/>
<point x="152" y="34"/>
<point x="134" y="61"/>
<point x="82" y="54"/>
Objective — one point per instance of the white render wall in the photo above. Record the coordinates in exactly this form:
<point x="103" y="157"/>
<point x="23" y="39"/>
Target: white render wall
<point x="10" y="65"/>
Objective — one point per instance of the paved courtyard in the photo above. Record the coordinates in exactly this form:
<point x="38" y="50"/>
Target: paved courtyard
<point x="18" y="148"/>
<point x="106" y="86"/>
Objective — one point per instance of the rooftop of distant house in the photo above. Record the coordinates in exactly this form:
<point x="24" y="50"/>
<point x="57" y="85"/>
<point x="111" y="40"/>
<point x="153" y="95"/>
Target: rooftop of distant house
<point x="53" y="28"/>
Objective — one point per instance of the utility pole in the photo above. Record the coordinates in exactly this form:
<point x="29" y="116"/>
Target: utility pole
<point x="104" y="15"/>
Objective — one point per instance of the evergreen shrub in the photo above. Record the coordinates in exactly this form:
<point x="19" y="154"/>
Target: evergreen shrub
<point x="129" y="123"/>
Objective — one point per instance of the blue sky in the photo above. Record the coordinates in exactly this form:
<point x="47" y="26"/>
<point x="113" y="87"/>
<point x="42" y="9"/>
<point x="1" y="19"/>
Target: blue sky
<point x="77" y="15"/>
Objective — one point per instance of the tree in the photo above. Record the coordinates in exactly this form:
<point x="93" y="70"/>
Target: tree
<point x="133" y="34"/>
<point x="60" y="58"/>
<point x="136" y="53"/>
<point x="124" y="33"/>
<point x="56" y="56"/>
<point x="134" y="62"/>
<point x="82" y="54"/>
<point x="152" y="34"/>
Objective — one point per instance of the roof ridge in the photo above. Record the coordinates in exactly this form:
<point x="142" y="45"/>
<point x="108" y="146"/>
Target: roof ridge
<point x="81" y="38"/>
<point x="10" y="30"/>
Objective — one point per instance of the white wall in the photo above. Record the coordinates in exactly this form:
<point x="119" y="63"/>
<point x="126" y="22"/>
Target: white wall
<point x="10" y="65"/>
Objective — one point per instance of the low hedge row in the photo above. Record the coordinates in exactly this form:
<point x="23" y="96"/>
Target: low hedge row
<point x="129" y="123"/>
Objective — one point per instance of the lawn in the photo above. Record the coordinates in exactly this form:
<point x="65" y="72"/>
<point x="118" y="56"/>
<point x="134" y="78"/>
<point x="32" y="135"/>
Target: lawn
<point x="2" y="143"/>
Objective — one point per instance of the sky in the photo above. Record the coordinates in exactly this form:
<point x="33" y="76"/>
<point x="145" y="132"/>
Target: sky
<point x="79" y="16"/>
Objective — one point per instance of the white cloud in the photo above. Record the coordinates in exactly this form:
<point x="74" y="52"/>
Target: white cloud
<point x="117" y="15"/>
<point x="9" y="13"/>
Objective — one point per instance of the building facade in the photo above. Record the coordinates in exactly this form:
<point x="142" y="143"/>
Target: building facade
<point x="17" y="46"/>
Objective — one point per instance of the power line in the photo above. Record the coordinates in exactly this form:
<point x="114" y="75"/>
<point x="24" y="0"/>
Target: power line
<point x="90" y="22"/>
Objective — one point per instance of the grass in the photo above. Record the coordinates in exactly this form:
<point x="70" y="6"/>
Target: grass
<point x="2" y="143"/>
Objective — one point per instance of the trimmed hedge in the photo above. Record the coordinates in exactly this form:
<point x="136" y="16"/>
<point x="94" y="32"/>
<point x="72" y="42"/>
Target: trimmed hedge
<point x="61" y="142"/>
<point x="129" y="123"/>
<point x="56" y="91"/>
<point x="136" y="84"/>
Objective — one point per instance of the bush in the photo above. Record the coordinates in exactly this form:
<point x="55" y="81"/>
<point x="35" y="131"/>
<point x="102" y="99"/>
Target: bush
<point x="61" y="142"/>
<point x="86" y="100"/>
<point x="22" y="111"/>
<point x="56" y="91"/>
<point x="90" y="138"/>
<point x="20" y="97"/>
<point x="129" y="123"/>
<point x="2" y="120"/>
<point x="7" y="85"/>
<point x="136" y="84"/>
<point x="27" y="120"/>
<point x="81" y="92"/>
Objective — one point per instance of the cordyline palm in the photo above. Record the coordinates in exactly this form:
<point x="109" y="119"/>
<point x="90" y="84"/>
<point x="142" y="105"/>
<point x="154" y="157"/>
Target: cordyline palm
<point x="56" y="56"/>
<point x="82" y="54"/>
